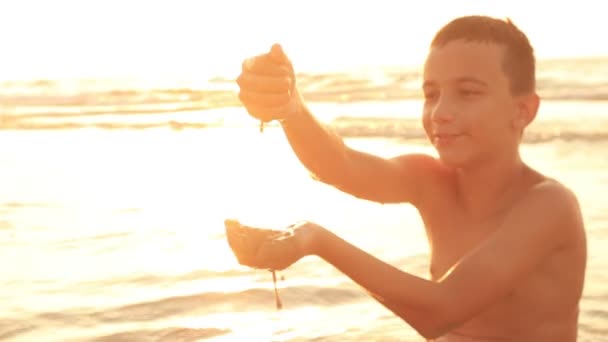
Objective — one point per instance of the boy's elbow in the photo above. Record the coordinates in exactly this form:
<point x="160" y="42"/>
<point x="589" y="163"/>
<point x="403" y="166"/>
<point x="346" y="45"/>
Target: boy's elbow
<point x="433" y="328"/>
<point x="437" y="319"/>
<point x="431" y="332"/>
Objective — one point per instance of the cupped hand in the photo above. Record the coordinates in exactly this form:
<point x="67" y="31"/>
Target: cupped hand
<point x="267" y="248"/>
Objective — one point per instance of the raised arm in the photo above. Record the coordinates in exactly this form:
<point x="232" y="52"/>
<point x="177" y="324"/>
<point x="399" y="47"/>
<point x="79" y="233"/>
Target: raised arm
<point x="268" y="91"/>
<point x="386" y="180"/>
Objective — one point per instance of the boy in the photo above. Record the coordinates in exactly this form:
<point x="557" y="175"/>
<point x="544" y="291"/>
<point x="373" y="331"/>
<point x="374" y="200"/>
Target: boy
<point x="507" y="244"/>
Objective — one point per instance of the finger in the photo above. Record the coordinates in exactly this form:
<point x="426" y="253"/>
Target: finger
<point x="231" y="224"/>
<point x="234" y="241"/>
<point x="278" y="55"/>
<point x="260" y="234"/>
<point x="244" y="255"/>
<point x="283" y="235"/>
<point x="296" y="225"/>
<point x="264" y="65"/>
<point x="264" y="83"/>
<point x="265" y="113"/>
<point x="240" y="250"/>
<point x="262" y="99"/>
<point x="242" y="247"/>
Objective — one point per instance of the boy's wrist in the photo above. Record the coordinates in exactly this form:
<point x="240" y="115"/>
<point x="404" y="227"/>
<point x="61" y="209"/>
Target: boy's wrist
<point x="294" y="110"/>
<point x="311" y="239"/>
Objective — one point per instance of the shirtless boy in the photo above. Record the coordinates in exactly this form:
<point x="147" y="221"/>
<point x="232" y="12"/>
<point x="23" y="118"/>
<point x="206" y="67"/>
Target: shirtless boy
<point x="507" y="243"/>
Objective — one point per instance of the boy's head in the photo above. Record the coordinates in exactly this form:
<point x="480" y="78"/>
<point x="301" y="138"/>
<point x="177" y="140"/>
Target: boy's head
<point x="479" y="88"/>
<point x="518" y="56"/>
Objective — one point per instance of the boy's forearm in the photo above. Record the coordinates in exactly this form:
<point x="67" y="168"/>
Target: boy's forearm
<point x="317" y="146"/>
<point x="417" y="301"/>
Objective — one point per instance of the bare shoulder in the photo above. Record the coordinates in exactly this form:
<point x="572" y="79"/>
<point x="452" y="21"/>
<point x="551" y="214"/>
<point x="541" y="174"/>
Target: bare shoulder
<point x="422" y="172"/>
<point x="554" y="191"/>
<point x="427" y="176"/>
<point x="549" y="192"/>
<point x="424" y="166"/>
<point x="554" y="203"/>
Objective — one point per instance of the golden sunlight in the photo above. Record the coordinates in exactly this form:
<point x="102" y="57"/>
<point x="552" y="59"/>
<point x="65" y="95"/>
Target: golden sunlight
<point x="124" y="148"/>
<point x="193" y="39"/>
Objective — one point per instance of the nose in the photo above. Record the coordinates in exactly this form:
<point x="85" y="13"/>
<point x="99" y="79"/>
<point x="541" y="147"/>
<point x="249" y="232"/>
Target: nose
<point x="442" y="111"/>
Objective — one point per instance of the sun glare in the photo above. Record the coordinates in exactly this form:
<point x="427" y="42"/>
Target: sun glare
<point x="193" y="39"/>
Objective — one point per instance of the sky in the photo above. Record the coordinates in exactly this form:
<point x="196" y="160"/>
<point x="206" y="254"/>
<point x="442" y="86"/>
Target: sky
<point x="191" y="39"/>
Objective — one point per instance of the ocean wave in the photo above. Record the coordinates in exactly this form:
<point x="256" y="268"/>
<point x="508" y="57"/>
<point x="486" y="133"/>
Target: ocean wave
<point x="10" y="328"/>
<point x="166" y="334"/>
<point x="253" y="299"/>
<point x="408" y="133"/>
<point x="130" y="102"/>
<point x="250" y="299"/>
<point x="347" y="127"/>
<point x="62" y="125"/>
<point x="13" y="110"/>
<point x="400" y="128"/>
<point x="5" y="225"/>
<point x="157" y="280"/>
<point x="23" y="205"/>
<point x="583" y="79"/>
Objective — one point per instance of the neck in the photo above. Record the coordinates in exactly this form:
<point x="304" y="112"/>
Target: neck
<point x="486" y="186"/>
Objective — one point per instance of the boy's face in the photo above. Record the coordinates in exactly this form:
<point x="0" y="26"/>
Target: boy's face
<point x="469" y="112"/>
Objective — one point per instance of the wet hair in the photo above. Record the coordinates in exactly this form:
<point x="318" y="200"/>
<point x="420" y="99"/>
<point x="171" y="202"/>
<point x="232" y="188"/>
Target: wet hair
<point x="518" y="61"/>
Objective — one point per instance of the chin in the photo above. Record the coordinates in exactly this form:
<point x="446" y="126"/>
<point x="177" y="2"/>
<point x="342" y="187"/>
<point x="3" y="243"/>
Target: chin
<point x="455" y="161"/>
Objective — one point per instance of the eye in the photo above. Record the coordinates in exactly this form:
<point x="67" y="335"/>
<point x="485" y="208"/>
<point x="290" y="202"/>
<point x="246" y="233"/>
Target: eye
<point x="469" y="92"/>
<point x="431" y="95"/>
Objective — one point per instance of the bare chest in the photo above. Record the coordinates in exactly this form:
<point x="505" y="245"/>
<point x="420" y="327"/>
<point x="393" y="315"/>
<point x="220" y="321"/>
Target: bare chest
<point x="452" y="235"/>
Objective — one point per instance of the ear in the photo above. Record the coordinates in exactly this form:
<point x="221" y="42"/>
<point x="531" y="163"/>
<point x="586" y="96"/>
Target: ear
<point x="527" y="106"/>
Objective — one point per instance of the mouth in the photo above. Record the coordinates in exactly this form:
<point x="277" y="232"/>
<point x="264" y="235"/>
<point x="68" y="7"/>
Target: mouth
<point x="445" y="135"/>
<point x="445" y="138"/>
